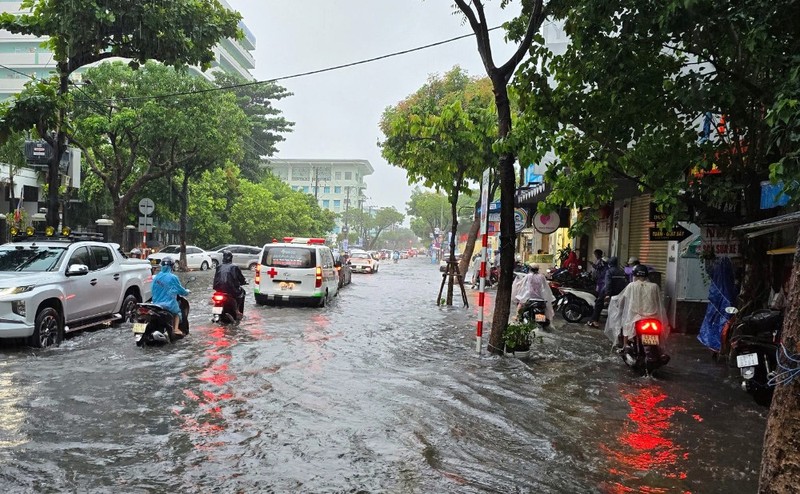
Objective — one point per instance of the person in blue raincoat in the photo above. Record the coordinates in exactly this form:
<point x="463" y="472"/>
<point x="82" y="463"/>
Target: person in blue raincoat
<point x="721" y="294"/>
<point x="166" y="287"/>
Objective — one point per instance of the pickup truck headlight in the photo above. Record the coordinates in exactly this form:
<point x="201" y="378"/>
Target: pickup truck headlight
<point x="13" y="290"/>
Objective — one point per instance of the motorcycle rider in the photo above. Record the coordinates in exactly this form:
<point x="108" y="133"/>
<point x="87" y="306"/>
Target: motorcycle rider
<point x="228" y="279"/>
<point x="535" y="285"/>
<point x="166" y="288"/>
<point x="641" y="299"/>
<point x="614" y="281"/>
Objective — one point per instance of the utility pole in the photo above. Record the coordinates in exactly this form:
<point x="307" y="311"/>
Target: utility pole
<point x="316" y="183"/>
<point x="346" y="209"/>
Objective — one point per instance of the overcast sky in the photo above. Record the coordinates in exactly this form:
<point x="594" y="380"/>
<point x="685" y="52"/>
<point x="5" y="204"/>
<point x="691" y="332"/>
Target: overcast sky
<point x="336" y="113"/>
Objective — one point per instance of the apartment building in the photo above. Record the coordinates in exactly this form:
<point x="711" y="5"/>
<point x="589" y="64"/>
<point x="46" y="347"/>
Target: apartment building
<point x="337" y="185"/>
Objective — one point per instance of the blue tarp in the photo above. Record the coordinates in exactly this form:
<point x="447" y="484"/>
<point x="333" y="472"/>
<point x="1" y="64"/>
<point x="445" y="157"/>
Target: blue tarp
<point x="720" y="295"/>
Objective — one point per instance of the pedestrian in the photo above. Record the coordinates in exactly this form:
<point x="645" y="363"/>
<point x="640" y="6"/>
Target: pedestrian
<point x="600" y="268"/>
<point x="476" y="269"/>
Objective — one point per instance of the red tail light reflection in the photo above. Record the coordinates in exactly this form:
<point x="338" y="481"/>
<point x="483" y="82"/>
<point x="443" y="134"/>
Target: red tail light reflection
<point x="648" y="326"/>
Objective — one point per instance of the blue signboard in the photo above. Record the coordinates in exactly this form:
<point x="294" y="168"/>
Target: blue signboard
<point x="494" y="207"/>
<point x="531" y="177"/>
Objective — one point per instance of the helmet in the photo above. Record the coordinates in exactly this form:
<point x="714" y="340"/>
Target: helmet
<point x="640" y="270"/>
<point x="535" y="268"/>
<point x="227" y="257"/>
<point x="168" y="261"/>
<point x="633" y="260"/>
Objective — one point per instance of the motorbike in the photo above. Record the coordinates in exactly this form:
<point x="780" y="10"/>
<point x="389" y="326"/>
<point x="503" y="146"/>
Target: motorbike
<point x="153" y="326"/>
<point x="754" y="342"/>
<point x="225" y="308"/>
<point x="533" y="311"/>
<point x="575" y="304"/>
<point x="643" y="352"/>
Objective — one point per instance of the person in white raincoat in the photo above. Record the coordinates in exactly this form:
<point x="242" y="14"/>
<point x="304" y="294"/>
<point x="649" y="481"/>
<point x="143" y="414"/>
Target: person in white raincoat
<point x="534" y="285"/>
<point x="641" y="299"/>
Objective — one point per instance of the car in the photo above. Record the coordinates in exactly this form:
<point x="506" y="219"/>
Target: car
<point x="342" y="264"/>
<point x="297" y="270"/>
<point x="443" y="262"/>
<point x="363" y="262"/>
<point x="52" y="285"/>
<point x="244" y="256"/>
<point x="196" y="258"/>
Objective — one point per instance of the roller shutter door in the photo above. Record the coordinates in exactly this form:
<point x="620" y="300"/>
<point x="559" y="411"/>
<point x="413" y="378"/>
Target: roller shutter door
<point x="639" y="245"/>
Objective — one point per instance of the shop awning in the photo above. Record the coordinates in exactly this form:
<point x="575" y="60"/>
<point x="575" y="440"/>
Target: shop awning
<point x="769" y="225"/>
<point x="533" y="195"/>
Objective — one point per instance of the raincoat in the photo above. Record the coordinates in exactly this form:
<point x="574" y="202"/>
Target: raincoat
<point x="639" y="300"/>
<point x="720" y="296"/>
<point x="534" y="285"/>
<point x="166" y="287"/>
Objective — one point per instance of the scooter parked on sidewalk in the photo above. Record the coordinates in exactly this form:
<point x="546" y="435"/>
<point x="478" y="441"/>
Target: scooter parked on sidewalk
<point x="755" y="341"/>
<point x="575" y="304"/>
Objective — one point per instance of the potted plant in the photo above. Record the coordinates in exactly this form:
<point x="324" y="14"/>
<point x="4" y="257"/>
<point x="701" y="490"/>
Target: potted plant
<point x="518" y="337"/>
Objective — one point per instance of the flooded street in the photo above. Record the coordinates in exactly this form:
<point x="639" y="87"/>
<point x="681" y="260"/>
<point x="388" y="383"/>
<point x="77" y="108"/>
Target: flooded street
<point x="379" y="392"/>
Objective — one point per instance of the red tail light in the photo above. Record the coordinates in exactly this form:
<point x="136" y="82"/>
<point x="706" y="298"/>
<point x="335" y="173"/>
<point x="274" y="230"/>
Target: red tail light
<point x="258" y="274"/>
<point x="318" y="282"/>
<point x="648" y="326"/>
<point x="218" y="298"/>
<point x="144" y="311"/>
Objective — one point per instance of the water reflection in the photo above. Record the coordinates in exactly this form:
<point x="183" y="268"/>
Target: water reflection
<point x="645" y="458"/>
<point x="12" y="415"/>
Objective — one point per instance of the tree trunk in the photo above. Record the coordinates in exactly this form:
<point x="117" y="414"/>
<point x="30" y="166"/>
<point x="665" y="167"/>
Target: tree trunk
<point x="780" y="465"/>
<point x="184" y="199"/>
<point x="453" y="230"/>
<point x="59" y="144"/>
<point x="502" y="303"/>
<point x="466" y="256"/>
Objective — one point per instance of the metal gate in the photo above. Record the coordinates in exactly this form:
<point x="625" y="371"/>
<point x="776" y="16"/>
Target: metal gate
<point x="652" y="253"/>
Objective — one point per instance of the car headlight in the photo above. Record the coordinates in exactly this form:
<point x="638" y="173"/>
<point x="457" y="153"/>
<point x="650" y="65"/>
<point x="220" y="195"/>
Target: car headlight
<point x="748" y="372"/>
<point x="13" y="290"/>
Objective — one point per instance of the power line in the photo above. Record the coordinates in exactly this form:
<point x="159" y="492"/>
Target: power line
<point x="303" y="74"/>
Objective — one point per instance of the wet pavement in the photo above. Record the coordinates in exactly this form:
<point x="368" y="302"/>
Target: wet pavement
<point x="379" y="392"/>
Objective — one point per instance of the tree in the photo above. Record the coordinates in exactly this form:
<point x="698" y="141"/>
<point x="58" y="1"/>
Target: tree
<point x="443" y="135"/>
<point x="12" y="154"/>
<point x="266" y="123"/>
<point x="384" y="218"/>
<point x="522" y="30"/>
<point x="208" y="209"/>
<point x="177" y="33"/>
<point x="141" y="138"/>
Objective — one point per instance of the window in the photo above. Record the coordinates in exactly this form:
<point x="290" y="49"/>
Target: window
<point x="192" y="250"/>
<point x="338" y="175"/>
<point x="305" y="189"/>
<point x="337" y="204"/>
<point x="289" y="257"/>
<point x="102" y="256"/>
<point x="337" y="189"/>
<point x="80" y="256"/>
<point x="326" y="203"/>
<point x="301" y="173"/>
<point x="348" y="175"/>
<point x="326" y="190"/>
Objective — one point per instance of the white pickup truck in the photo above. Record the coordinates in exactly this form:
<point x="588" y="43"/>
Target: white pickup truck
<point x="50" y="287"/>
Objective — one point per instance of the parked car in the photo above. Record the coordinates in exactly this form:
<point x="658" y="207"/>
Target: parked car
<point x="244" y="256"/>
<point x="343" y="266"/>
<point x="363" y="262"/>
<point x="196" y="258"/>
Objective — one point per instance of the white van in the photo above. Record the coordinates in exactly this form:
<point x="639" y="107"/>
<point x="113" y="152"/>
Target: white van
<point x="297" y="270"/>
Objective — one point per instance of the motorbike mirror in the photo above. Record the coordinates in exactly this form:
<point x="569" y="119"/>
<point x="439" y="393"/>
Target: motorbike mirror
<point x="731" y="310"/>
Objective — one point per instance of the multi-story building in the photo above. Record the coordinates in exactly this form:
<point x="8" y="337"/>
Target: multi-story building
<point x="337" y="185"/>
<point x="23" y="57"/>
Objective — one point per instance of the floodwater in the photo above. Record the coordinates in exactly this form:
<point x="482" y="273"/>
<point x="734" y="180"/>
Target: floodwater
<point x="381" y="391"/>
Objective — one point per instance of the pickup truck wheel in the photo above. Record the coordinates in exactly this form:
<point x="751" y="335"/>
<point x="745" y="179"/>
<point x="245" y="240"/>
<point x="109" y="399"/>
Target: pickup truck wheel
<point x="48" y="329"/>
<point x="129" y="306"/>
<point x="204" y="266"/>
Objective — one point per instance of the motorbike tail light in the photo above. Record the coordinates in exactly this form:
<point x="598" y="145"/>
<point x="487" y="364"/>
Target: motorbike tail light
<point x="258" y="274"/>
<point x="648" y="326"/>
<point x="144" y="311"/>
<point x="218" y="298"/>
<point x="318" y="281"/>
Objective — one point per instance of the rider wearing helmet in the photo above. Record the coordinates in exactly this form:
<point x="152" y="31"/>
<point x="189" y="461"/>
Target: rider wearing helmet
<point x="229" y="279"/>
<point x="166" y="288"/>
<point x="641" y="299"/>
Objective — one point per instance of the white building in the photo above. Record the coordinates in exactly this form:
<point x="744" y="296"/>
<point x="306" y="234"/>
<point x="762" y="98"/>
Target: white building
<point x="337" y="185"/>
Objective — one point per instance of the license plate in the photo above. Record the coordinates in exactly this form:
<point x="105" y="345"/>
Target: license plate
<point x="649" y="339"/>
<point x="216" y="310"/>
<point x="287" y="286"/>
<point x="139" y="327"/>
<point x="747" y="360"/>
<point x="541" y="318"/>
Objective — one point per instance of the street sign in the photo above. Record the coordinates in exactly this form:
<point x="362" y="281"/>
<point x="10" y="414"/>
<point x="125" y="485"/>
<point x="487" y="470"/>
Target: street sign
<point x="146" y="224"/>
<point x="146" y="206"/>
<point x="676" y="234"/>
<point x="520" y="219"/>
<point x="656" y="216"/>
<point x="546" y="223"/>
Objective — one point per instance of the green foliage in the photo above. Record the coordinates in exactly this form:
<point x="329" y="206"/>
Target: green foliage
<point x="627" y="100"/>
<point x="430" y="210"/>
<point x="209" y="206"/>
<point x="265" y="121"/>
<point x="519" y="336"/>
